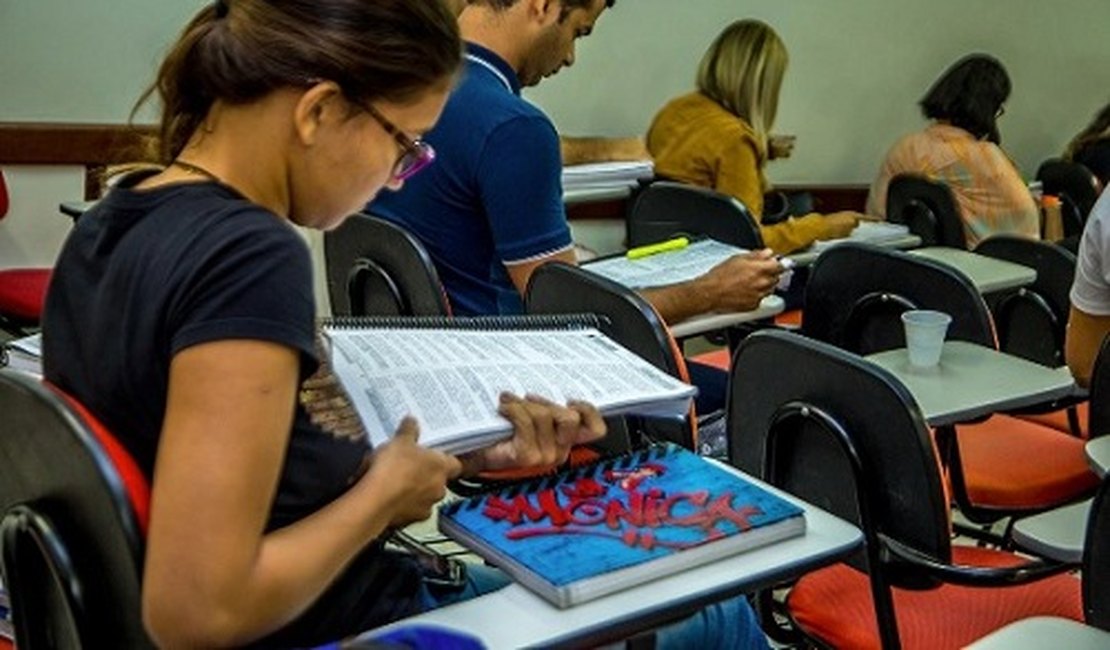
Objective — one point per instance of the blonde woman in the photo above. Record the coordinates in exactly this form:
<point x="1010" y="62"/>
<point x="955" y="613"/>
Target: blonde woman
<point x="718" y="136"/>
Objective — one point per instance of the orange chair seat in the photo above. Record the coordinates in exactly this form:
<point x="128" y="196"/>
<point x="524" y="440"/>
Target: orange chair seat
<point x="1013" y="463"/>
<point x="1059" y="419"/>
<point x="789" y="319"/>
<point x="22" y="293"/>
<point x="834" y="605"/>
<point x="717" y="359"/>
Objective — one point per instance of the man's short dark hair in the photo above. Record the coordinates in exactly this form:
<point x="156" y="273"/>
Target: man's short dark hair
<point x="568" y="5"/>
<point x="970" y="95"/>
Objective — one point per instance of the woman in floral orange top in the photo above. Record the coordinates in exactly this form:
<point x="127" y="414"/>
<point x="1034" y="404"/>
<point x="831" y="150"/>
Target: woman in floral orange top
<point x="960" y="148"/>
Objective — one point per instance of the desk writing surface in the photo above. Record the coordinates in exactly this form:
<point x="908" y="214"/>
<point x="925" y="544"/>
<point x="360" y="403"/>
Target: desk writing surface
<point x="1039" y="632"/>
<point x="1059" y="534"/>
<point x="972" y="380"/>
<point x="986" y="273"/>
<point x="770" y="306"/>
<point x="1098" y="455"/>
<point x="514" y="617"/>
<point x="589" y="194"/>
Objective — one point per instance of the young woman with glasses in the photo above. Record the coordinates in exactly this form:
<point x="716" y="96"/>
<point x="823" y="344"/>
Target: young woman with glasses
<point x="181" y="314"/>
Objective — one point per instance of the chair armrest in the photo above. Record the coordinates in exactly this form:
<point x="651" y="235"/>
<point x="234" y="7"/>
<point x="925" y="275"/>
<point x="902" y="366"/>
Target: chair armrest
<point x="973" y="576"/>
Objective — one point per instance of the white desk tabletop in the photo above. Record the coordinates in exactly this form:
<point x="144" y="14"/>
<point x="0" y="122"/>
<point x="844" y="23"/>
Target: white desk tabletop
<point x="972" y="380"/>
<point x="1044" y="632"/>
<point x="986" y="273"/>
<point x="1059" y="533"/>
<point x="514" y="617"/>
<point x="770" y="306"/>
<point x="1098" y="455"/>
<point x="809" y="255"/>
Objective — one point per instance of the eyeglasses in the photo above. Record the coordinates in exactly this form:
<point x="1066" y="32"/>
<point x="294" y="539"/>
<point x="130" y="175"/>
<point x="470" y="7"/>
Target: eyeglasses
<point x="415" y="154"/>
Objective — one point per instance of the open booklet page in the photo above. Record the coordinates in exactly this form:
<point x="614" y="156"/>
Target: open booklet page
<point x="451" y="379"/>
<point x="665" y="268"/>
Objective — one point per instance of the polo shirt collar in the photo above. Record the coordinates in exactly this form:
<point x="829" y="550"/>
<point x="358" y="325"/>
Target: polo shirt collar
<point x="490" y="58"/>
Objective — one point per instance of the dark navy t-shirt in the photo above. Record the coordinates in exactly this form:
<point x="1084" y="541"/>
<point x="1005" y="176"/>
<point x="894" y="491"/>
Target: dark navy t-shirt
<point x="493" y="195"/>
<point x="146" y="274"/>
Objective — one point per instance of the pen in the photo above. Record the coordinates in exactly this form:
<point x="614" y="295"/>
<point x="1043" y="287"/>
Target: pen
<point x="676" y="244"/>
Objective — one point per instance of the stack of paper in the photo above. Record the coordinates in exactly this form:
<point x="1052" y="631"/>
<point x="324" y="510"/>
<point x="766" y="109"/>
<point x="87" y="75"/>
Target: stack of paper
<point x="6" y="631"/>
<point x="24" y="354"/>
<point x="869" y="232"/>
<point x="608" y="175"/>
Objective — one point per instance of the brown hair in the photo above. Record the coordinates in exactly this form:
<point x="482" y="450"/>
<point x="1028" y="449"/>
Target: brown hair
<point x="237" y="51"/>
<point x="1098" y="129"/>
<point x="567" y="5"/>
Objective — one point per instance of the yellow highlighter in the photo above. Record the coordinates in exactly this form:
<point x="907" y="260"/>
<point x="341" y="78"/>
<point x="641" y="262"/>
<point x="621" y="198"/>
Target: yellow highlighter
<point x="676" y="244"/>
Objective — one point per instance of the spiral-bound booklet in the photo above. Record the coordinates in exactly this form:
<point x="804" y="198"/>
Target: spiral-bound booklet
<point x="588" y="532"/>
<point x="450" y="372"/>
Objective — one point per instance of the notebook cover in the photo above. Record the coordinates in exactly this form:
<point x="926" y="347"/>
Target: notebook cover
<point x="632" y="513"/>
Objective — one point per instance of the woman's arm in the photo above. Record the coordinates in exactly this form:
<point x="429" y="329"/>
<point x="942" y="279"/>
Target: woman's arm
<point x="212" y="577"/>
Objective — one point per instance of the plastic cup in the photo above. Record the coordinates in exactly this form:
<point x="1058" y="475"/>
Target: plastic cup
<point x="925" y="331"/>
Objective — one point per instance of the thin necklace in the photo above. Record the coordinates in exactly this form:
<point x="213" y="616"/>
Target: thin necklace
<point x="196" y="169"/>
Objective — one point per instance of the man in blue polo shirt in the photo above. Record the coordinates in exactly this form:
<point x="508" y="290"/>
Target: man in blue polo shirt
<point x="490" y="209"/>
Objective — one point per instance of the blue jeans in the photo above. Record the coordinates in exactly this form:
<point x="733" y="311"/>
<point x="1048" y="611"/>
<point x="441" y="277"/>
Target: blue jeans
<point x="728" y="625"/>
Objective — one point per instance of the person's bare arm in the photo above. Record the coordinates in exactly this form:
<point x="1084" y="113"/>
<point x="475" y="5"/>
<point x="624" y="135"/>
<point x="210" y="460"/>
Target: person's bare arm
<point x="579" y="151"/>
<point x="212" y="577"/>
<point x="737" y="284"/>
<point x="1082" y="343"/>
<point x="522" y="272"/>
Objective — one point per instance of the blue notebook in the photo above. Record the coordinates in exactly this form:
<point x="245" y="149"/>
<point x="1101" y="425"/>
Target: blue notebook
<point x="590" y="531"/>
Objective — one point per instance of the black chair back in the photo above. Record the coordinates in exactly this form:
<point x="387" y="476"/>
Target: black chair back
<point x="558" y="288"/>
<point x="1031" y="321"/>
<point x="791" y="401"/>
<point x="375" y="267"/>
<point x="1098" y="395"/>
<point x="666" y="209"/>
<point x="1077" y="187"/>
<point x="1096" y="561"/>
<point x="857" y="293"/>
<point x="928" y="208"/>
<point x="70" y="544"/>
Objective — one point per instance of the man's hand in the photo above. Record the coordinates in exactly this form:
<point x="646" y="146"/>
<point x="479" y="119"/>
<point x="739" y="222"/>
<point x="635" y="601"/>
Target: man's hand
<point x="741" y="281"/>
<point x="543" y="433"/>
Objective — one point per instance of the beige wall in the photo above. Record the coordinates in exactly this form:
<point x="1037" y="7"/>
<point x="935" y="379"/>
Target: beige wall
<point x="857" y="69"/>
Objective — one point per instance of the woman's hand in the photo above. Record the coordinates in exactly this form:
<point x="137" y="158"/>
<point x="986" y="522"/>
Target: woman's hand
<point x="780" y="146"/>
<point x="543" y="433"/>
<point x="411" y="478"/>
<point x="840" y="224"/>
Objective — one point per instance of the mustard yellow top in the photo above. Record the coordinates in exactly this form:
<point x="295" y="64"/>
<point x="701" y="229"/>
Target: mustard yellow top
<point x="693" y="139"/>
